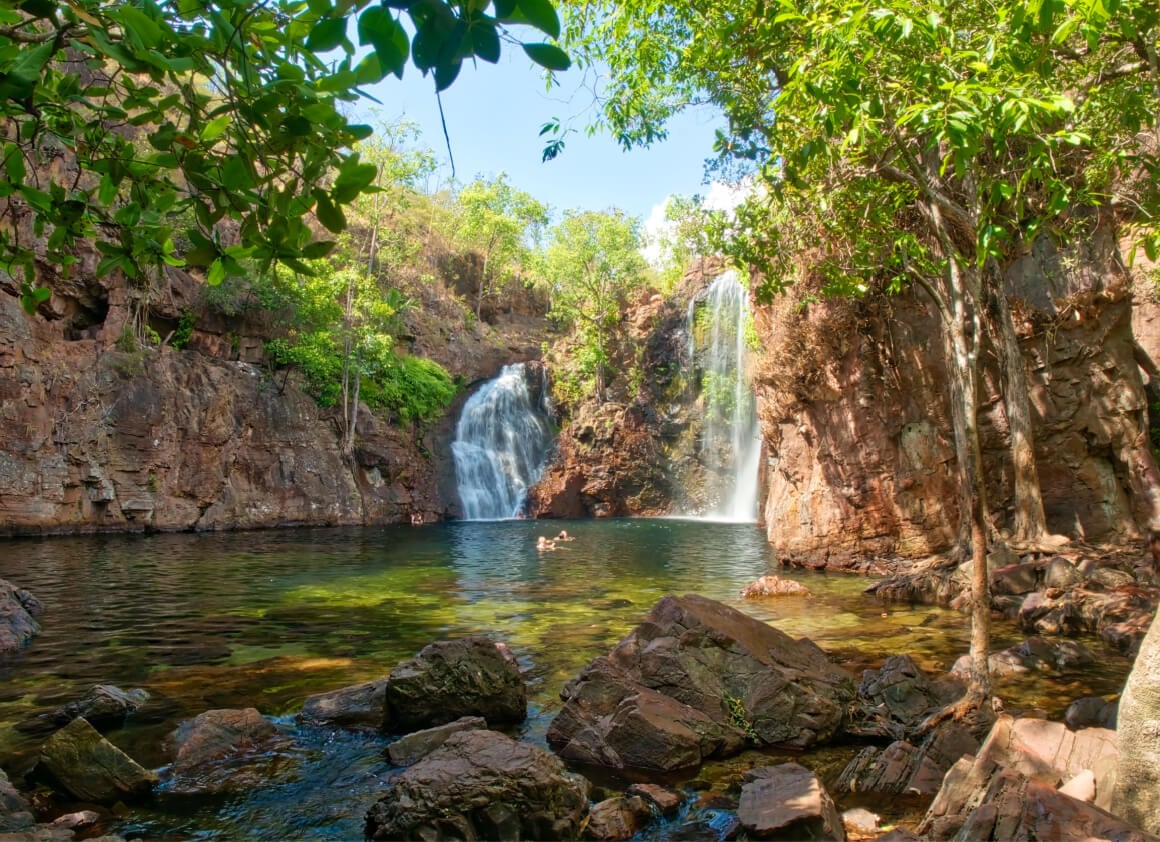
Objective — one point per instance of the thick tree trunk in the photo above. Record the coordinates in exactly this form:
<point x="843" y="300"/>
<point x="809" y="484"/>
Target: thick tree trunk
<point x="1137" y="794"/>
<point x="1028" y="523"/>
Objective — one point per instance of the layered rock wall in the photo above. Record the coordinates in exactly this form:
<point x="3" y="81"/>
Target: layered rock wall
<point x="854" y="404"/>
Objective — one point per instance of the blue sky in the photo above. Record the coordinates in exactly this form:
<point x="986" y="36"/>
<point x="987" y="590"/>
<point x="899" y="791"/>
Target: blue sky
<point x="494" y="114"/>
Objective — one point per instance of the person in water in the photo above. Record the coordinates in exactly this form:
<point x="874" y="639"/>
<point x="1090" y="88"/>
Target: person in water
<point x="564" y="536"/>
<point x="543" y="544"/>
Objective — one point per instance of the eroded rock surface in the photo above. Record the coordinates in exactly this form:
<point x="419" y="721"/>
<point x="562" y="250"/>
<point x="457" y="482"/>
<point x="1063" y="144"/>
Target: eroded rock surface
<point x="90" y="768"/>
<point x="788" y="802"/>
<point x="698" y="679"/>
<point x="226" y="750"/>
<point x="482" y="785"/>
<point x="18" y="611"/>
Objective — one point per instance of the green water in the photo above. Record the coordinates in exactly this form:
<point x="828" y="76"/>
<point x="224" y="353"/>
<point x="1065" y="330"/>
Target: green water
<point x="265" y="619"/>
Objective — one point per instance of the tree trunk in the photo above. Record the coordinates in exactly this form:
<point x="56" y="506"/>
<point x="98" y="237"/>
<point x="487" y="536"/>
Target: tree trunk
<point x="1029" y="523"/>
<point x="600" y="364"/>
<point x="1137" y="793"/>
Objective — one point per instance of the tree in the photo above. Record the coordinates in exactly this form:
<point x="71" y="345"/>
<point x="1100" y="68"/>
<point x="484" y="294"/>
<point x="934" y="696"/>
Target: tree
<point x="592" y="261"/>
<point x="125" y="121"/>
<point x="502" y="224"/>
<point x="919" y="142"/>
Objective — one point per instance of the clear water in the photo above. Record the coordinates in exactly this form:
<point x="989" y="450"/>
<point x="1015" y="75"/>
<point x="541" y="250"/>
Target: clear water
<point x="268" y="618"/>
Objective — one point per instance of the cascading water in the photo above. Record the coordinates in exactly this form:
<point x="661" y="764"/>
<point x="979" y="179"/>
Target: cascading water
<point x="501" y="441"/>
<point x="730" y="442"/>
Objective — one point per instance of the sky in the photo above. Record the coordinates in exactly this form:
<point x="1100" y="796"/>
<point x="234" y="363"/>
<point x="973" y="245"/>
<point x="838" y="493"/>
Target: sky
<point x="494" y="114"/>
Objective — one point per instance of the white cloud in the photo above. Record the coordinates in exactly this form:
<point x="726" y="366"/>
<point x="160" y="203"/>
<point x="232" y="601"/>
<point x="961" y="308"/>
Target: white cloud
<point x="658" y="231"/>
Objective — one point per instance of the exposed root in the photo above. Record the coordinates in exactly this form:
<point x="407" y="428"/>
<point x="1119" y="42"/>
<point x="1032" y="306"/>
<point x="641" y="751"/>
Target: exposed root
<point x="976" y="712"/>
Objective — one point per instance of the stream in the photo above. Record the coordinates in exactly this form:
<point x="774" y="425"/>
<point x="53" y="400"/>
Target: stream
<point x="265" y="619"/>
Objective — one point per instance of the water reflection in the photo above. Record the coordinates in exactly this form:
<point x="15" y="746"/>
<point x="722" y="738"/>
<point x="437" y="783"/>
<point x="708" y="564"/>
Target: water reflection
<point x="267" y="618"/>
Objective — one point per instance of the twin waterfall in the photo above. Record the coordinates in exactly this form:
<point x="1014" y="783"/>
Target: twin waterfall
<point x="730" y="450"/>
<point x="504" y="434"/>
<point x="500" y="444"/>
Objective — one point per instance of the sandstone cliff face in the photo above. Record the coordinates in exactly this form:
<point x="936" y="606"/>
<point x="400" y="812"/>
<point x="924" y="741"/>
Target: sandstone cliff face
<point x="858" y="435"/>
<point x="97" y="439"/>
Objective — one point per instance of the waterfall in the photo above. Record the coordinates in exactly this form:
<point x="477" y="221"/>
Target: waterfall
<point x="501" y="441"/>
<point x="730" y="449"/>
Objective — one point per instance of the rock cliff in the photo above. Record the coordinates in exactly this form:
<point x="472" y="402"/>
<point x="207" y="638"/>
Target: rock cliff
<point x="103" y="439"/>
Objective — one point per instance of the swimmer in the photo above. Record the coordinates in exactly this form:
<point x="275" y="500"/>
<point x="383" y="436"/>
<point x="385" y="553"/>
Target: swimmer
<point x="543" y="544"/>
<point x="564" y="536"/>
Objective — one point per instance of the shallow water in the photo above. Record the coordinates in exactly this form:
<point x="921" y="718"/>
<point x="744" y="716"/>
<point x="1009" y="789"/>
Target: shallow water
<point x="265" y="619"/>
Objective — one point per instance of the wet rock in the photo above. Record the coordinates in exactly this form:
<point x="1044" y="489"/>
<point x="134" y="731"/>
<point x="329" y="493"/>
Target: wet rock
<point x="1109" y="578"/>
<point x="415" y="746"/>
<point x="104" y="706"/>
<point x="698" y="679"/>
<point x="472" y="676"/>
<point x="894" y="700"/>
<point x="15" y="812"/>
<point x="1031" y="655"/>
<point x="1091" y="712"/>
<point x="349" y="707"/>
<point x="18" y="610"/>
<point x="224" y="750"/>
<point x="788" y="802"/>
<point x="81" y="820"/>
<point x="903" y="767"/>
<point x="482" y="785"/>
<point x="90" y="768"/>
<point x="616" y="818"/>
<point x="768" y="586"/>
<point x="664" y="800"/>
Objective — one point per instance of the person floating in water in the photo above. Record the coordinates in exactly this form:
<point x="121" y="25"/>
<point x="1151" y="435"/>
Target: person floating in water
<point x="564" y="536"/>
<point x="544" y="545"/>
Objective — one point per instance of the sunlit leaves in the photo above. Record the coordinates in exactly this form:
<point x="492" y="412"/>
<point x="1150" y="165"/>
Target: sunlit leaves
<point x="219" y="111"/>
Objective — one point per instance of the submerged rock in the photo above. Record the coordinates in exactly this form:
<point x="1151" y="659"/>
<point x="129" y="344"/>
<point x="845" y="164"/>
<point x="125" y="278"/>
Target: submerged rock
<point x="698" y="679"/>
<point x="104" y="706"/>
<point x="357" y="705"/>
<point x="768" y="586"/>
<point x="482" y="785"/>
<point x="18" y="610"/>
<point x="90" y="768"/>
<point x="15" y="812"/>
<point x="472" y="676"/>
<point x="223" y="750"/>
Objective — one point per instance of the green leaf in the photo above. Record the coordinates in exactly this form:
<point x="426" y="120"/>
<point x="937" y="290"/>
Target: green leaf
<point x="485" y="40"/>
<point x="352" y="179"/>
<point x="215" y="128"/>
<point x="328" y="213"/>
<point x="548" y="56"/>
<point x="542" y="15"/>
<point x="378" y="28"/>
<point x="504" y="8"/>
<point x="14" y="163"/>
<point x="446" y="73"/>
<point x="318" y="249"/>
<point x="216" y="273"/>
<point x="327" y="34"/>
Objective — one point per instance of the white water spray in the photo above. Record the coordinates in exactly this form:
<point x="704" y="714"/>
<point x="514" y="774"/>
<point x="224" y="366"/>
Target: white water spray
<point x="730" y="443"/>
<point x="501" y="441"/>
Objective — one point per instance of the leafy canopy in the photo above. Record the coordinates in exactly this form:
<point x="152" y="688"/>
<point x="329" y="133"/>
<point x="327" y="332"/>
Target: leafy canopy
<point x="123" y="121"/>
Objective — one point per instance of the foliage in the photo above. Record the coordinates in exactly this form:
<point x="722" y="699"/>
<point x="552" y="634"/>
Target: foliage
<point x="122" y="118"/>
<point x="184" y="330"/>
<point x="592" y="263"/>
<point x="501" y="224"/>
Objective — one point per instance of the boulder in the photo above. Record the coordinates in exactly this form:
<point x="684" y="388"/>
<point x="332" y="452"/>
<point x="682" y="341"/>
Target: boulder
<point x="788" y="802"/>
<point x="15" y="812"/>
<point x="698" y="679"/>
<point x="1061" y="573"/>
<point x="18" y="610"/>
<point x="415" y="746"/>
<point x="1091" y="712"/>
<point x="768" y="586"/>
<point x="223" y="751"/>
<point x="1009" y="790"/>
<point x="472" y="676"/>
<point x="903" y="767"/>
<point x="90" y="768"/>
<point x="893" y="701"/>
<point x="349" y="707"/>
<point x="482" y="785"/>
<point x="1015" y="579"/>
<point x="1033" y="654"/>
<point x="665" y="801"/>
<point x="981" y="801"/>
<point x="104" y="706"/>
<point x="617" y="818"/>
